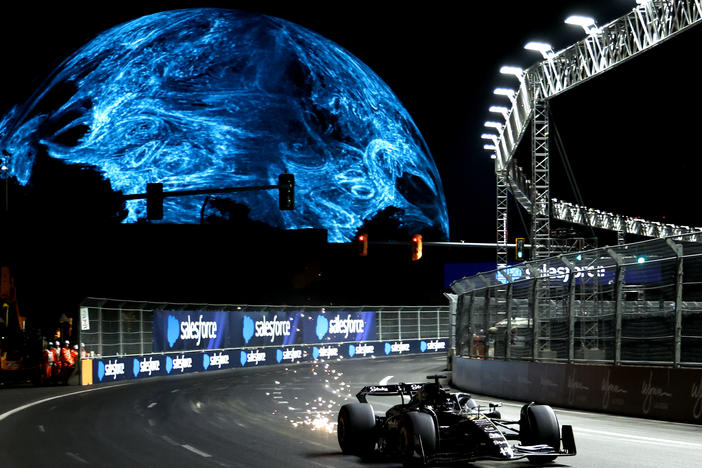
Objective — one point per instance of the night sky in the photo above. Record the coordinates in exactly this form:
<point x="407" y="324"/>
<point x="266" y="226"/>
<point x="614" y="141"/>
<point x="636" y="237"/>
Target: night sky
<point x="632" y="148"/>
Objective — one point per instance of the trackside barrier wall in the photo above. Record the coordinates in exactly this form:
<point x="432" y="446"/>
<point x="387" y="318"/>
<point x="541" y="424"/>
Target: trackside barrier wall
<point x="131" y="340"/>
<point x="532" y="331"/>
<point x="653" y="392"/>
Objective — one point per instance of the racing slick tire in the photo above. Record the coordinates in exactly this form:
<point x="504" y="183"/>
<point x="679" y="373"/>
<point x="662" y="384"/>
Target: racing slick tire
<point x="538" y="425"/>
<point x="417" y="438"/>
<point x="355" y="428"/>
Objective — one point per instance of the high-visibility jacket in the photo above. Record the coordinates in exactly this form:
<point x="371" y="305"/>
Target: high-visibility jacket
<point x="67" y="358"/>
<point x="74" y="355"/>
<point x="57" y="357"/>
<point x="48" y="356"/>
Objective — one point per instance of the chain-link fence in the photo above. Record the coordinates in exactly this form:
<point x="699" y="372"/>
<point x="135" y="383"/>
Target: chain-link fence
<point x="111" y="328"/>
<point x="630" y="304"/>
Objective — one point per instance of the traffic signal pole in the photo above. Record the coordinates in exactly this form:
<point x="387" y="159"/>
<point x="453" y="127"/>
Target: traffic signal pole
<point x="155" y="194"/>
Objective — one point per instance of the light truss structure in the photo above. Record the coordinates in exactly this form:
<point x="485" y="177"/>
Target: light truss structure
<point x="649" y="24"/>
<point x="577" y="214"/>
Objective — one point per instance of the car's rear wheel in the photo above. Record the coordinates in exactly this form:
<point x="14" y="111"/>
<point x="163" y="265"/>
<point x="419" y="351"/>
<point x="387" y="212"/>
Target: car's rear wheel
<point x="417" y="438"/>
<point x="355" y="428"/>
<point x="538" y="425"/>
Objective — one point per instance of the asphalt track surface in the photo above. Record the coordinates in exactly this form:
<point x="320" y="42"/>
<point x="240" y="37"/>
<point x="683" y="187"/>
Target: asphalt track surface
<point x="277" y="416"/>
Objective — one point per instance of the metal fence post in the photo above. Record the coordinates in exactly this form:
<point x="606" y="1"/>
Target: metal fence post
<point x="618" y="306"/>
<point x="141" y="331"/>
<point x="399" y="324"/>
<point x="380" y="325"/>
<point x="99" y="310"/>
<point x="571" y="309"/>
<point x="678" y="249"/>
<point x="534" y="306"/>
<point x="419" y="324"/>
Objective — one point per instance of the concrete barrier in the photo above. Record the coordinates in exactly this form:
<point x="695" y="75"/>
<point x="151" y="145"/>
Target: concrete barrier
<point x="652" y="392"/>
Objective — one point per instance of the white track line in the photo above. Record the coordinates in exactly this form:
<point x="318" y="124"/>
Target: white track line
<point x="56" y="397"/>
<point x="385" y="380"/>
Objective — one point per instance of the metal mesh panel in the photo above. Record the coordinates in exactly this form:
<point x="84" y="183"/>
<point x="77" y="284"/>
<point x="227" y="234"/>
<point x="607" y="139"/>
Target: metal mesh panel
<point x="119" y="328"/>
<point x="635" y="303"/>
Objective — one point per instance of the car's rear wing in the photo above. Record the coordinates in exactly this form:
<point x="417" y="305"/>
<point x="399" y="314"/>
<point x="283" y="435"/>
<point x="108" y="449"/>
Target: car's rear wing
<point x="401" y="389"/>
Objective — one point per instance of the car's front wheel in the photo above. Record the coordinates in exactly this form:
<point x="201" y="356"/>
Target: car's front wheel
<point x="538" y="425"/>
<point x="355" y="428"/>
<point x="417" y="438"/>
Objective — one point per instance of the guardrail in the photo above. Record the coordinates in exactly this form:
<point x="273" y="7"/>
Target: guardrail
<point x="130" y="339"/>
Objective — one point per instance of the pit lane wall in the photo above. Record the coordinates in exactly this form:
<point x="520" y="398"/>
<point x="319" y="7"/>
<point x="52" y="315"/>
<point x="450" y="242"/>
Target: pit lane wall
<point x="666" y="393"/>
<point x="167" y="364"/>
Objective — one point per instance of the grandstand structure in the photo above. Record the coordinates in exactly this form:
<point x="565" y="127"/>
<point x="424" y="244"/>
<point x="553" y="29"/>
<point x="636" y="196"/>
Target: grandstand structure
<point x="650" y="23"/>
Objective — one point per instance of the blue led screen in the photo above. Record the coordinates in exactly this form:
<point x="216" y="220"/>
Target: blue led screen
<point x="206" y="98"/>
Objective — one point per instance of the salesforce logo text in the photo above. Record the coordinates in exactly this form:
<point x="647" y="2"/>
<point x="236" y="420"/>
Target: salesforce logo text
<point x="346" y="326"/>
<point x="272" y="328"/>
<point x="199" y="330"/>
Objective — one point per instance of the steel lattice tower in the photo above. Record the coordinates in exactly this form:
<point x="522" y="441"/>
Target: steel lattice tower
<point x="646" y="26"/>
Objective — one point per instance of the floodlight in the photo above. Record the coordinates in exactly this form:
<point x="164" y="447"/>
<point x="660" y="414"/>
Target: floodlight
<point x="500" y="110"/>
<point x="490" y="147"/>
<point x="489" y="136"/>
<point x="495" y="125"/>
<point x="493" y="156"/>
<point x="505" y="92"/>
<point x="510" y="70"/>
<point x="542" y="47"/>
<point x="585" y="22"/>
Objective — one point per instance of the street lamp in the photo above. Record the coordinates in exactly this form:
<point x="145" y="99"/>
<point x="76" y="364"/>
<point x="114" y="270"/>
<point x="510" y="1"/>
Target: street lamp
<point x="543" y="48"/>
<point x="503" y="111"/>
<point x="510" y="70"/>
<point x="585" y="22"/>
<point x="496" y="125"/>
<point x="489" y="136"/>
<point x="509" y="93"/>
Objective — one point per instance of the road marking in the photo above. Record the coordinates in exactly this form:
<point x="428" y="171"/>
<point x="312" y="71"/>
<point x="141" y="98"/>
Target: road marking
<point x="76" y="457"/>
<point x="196" y="451"/>
<point x="169" y="440"/>
<point x="385" y="380"/>
<point x="151" y="405"/>
<point x="41" y="428"/>
<point x="635" y="438"/>
<point x="56" y="397"/>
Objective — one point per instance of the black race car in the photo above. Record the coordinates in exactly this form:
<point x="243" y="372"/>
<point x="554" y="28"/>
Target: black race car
<point x="437" y="426"/>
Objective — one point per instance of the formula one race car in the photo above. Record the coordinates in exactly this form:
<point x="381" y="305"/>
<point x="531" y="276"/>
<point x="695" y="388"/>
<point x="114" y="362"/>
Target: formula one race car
<point x="437" y="426"/>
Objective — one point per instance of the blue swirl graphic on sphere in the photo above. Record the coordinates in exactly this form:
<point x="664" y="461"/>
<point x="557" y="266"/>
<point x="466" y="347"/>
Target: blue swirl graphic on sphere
<point x="206" y="98"/>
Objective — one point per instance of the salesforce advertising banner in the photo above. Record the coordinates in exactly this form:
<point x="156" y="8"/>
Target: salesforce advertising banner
<point x="339" y="327"/>
<point x="193" y="330"/>
<point x="200" y="330"/>
<point x="139" y="367"/>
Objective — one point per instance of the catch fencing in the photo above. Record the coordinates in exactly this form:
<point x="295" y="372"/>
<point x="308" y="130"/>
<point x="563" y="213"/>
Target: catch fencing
<point x="115" y="328"/>
<point x="639" y="303"/>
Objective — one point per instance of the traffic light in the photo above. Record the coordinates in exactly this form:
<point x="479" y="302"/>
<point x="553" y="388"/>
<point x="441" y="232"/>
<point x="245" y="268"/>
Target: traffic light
<point x="362" y="244"/>
<point x="416" y="245"/>
<point x="286" y="191"/>
<point x="519" y="249"/>
<point x="154" y="201"/>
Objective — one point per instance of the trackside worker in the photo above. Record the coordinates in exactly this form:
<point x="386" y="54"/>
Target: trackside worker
<point x="83" y="351"/>
<point x="67" y="361"/>
<point x="56" y="370"/>
<point x="74" y="355"/>
<point x="48" y="363"/>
